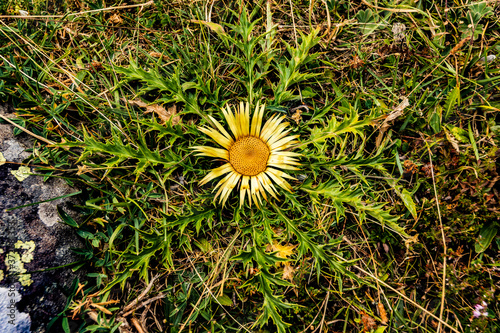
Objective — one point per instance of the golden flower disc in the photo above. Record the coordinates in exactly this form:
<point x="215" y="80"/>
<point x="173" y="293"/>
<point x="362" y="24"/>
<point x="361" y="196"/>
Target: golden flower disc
<point x="249" y="156"/>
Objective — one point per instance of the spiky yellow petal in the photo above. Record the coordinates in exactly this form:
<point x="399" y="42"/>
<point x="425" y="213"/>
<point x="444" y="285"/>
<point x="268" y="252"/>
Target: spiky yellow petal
<point x="228" y="187"/>
<point x="283" y="166"/>
<point x="285" y="146"/>
<point x="278" y="160"/>
<point x="268" y="131"/>
<point x="244" y="119"/>
<point x="262" y="185"/>
<point x="286" y="153"/>
<point x="211" y="152"/>
<point x="267" y="184"/>
<point x="231" y="121"/>
<point x="257" y="120"/>
<point x="217" y="172"/>
<point x="255" y="191"/>
<point x="282" y="142"/>
<point x="221" y="129"/>
<point x="279" y="134"/>
<point x="219" y="138"/>
<point x="244" y="188"/>
<point x="278" y="176"/>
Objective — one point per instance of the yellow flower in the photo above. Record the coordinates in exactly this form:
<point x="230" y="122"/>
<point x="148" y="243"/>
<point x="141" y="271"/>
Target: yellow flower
<point x="253" y="153"/>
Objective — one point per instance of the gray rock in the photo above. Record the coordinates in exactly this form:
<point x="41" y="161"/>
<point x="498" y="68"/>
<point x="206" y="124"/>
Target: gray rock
<point x="11" y="320"/>
<point x="31" y="239"/>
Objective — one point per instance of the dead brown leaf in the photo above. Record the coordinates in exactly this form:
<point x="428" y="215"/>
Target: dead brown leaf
<point x="297" y="116"/>
<point x="412" y="240"/>
<point x="395" y="113"/>
<point x="116" y="19"/>
<point x="452" y="140"/>
<point x="368" y="322"/>
<point x="383" y="313"/>
<point x="82" y="169"/>
<point x="164" y="115"/>
<point x="155" y="54"/>
<point x="409" y="167"/>
<point x="95" y="66"/>
<point x="138" y="325"/>
<point x="288" y="272"/>
<point x="356" y="62"/>
<point x="102" y="308"/>
<point x="457" y="47"/>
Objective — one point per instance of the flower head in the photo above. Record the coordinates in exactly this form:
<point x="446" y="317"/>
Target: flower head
<point x="480" y="310"/>
<point x="252" y="153"/>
